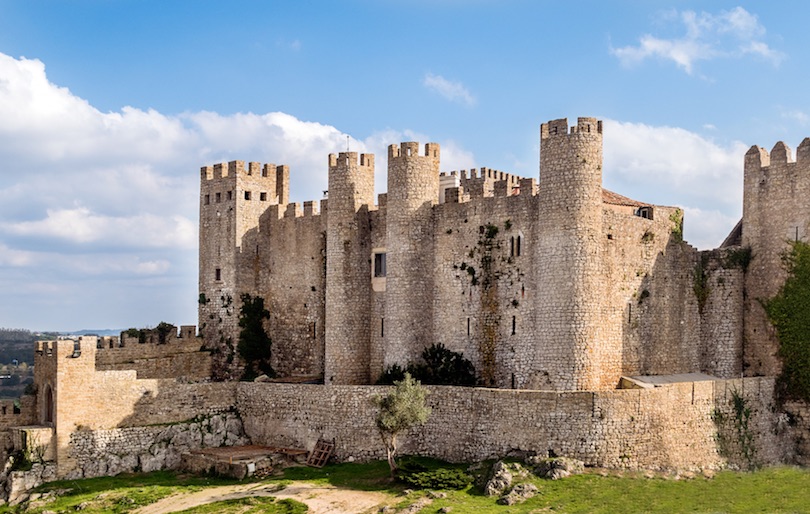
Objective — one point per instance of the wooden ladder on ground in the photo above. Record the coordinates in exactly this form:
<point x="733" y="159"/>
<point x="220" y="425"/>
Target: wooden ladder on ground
<point x="321" y="453"/>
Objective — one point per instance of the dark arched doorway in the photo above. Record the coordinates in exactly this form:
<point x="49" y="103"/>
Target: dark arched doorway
<point x="47" y="411"/>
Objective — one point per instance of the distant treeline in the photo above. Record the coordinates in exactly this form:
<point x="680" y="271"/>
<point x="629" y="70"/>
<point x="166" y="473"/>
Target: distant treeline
<point x="18" y="344"/>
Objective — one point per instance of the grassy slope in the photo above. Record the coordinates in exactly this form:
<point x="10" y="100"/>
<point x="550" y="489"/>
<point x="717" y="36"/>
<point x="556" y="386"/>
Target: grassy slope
<point x="770" y="490"/>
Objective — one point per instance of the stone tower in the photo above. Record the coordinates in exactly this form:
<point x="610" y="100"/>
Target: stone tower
<point x="232" y="199"/>
<point x="348" y="280"/>
<point x="776" y="210"/>
<point x="413" y="189"/>
<point x="567" y="256"/>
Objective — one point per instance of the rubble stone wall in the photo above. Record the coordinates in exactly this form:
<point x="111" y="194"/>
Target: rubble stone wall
<point x="669" y="427"/>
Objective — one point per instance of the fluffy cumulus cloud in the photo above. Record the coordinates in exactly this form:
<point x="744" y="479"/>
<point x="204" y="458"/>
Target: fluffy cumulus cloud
<point x="735" y="33"/>
<point x="452" y="91"/>
<point x="98" y="210"/>
<point x="673" y="166"/>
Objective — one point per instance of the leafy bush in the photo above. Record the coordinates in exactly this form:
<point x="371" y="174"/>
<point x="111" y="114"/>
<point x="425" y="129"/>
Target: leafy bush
<point x="789" y="312"/>
<point x="442" y="478"/>
<point x="254" y="344"/>
<point x="440" y="366"/>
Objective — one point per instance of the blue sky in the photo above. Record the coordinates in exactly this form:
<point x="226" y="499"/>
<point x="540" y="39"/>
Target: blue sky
<point x="109" y="108"/>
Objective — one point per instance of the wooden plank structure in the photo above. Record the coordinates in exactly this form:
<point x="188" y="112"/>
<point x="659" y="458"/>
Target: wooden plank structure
<point x="321" y="453"/>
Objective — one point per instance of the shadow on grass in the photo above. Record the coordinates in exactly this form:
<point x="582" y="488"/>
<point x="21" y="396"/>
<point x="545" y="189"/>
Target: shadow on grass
<point x="367" y="476"/>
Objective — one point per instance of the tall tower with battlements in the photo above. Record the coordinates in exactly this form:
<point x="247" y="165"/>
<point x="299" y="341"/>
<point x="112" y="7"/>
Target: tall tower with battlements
<point x="348" y="282"/>
<point x="776" y="210"/>
<point x="567" y="253"/>
<point x="413" y="190"/>
<point x="232" y="199"/>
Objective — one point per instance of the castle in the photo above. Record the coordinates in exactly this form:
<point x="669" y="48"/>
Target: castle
<point x="595" y="330"/>
<point x="556" y="284"/>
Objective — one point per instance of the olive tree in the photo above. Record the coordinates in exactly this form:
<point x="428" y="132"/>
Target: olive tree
<point x="402" y="408"/>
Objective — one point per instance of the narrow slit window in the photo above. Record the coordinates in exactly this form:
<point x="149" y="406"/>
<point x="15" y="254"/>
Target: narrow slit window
<point x="518" y="244"/>
<point x="382" y="327"/>
<point x="314" y="330"/>
<point x="512" y="246"/>
<point x="514" y="324"/>
<point x="468" y="326"/>
<point x="218" y="274"/>
<point x="379" y="265"/>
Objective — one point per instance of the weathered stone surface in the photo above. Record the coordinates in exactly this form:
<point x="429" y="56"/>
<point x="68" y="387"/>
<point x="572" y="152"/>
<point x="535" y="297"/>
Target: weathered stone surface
<point x="109" y="452"/>
<point x="19" y="483"/>
<point x="501" y="476"/>
<point x="555" y="468"/>
<point x="518" y="494"/>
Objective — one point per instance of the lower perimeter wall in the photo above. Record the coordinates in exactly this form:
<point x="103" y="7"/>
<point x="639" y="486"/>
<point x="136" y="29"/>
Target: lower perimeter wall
<point x="678" y="426"/>
<point x="150" y="448"/>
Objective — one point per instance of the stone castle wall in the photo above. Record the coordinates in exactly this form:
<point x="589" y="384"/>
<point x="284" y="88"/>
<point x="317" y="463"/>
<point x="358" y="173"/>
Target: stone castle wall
<point x="112" y="399"/>
<point x="542" y="286"/>
<point x="348" y="277"/>
<point x="150" y="448"/>
<point x="177" y="356"/>
<point x="13" y="416"/>
<point x="670" y="427"/>
<point x="292" y="281"/>
<point x="775" y="211"/>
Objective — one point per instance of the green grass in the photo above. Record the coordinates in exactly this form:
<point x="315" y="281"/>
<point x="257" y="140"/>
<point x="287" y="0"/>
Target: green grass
<point x="780" y="489"/>
<point x="369" y="476"/>
<point x="118" y="494"/>
<point x="768" y="490"/>
<point x="254" y="505"/>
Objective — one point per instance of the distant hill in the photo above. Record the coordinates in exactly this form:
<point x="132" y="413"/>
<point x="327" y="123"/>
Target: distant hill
<point x="96" y="332"/>
<point x="18" y="344"/>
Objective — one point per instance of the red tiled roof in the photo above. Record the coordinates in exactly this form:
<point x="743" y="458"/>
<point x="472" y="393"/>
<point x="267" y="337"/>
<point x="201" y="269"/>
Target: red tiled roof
<point x="612" y="198"/>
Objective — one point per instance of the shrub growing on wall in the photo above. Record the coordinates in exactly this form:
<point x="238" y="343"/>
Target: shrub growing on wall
<point x="254" y="344"/>
<point x="440" y="366"/>
<point x="789" y="312"/>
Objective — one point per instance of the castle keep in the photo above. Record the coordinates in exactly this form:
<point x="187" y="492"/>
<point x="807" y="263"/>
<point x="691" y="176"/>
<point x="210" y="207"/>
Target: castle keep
<point x="596" y="331"/>
<point x="553" y="284"/>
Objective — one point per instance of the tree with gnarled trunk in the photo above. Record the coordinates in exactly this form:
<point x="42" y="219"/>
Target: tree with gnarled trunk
<point x="401" y="409"/>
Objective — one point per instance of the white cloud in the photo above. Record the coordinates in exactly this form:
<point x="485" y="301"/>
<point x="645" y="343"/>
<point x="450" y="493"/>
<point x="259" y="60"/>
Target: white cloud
<point x="93" y="201"/>
<point x="453" y="91"/>
<point x="733" y="33"/>
<point x="673" y="166"/>
<point x="81" y="225"/>
<point x="801" y="117"/>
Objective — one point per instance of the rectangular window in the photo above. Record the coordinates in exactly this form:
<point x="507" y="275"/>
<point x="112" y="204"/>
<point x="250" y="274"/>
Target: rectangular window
<point x="219" y="197"/>
<point x="207" y="199"/>
<point x="247" y="195"/>
<point x="379" y="264"/>
<point x="218" y="274"/>
<point x="263" y="197"/>
<point x="230" y="195"/>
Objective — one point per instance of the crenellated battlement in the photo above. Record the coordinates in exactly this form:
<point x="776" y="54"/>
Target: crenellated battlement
<point x="760" y="165"/>
<point x="559" y="127"/>
<point x="294" y="210"/>
<point x="227" y="182"/>
<point x="233" y="169"/>
<point x="348" y="159"/>
<point x="411" y="149"/>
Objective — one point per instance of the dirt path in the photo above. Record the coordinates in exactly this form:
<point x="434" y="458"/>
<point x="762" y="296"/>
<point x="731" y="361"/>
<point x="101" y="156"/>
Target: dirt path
<point x="319" y="498"/>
